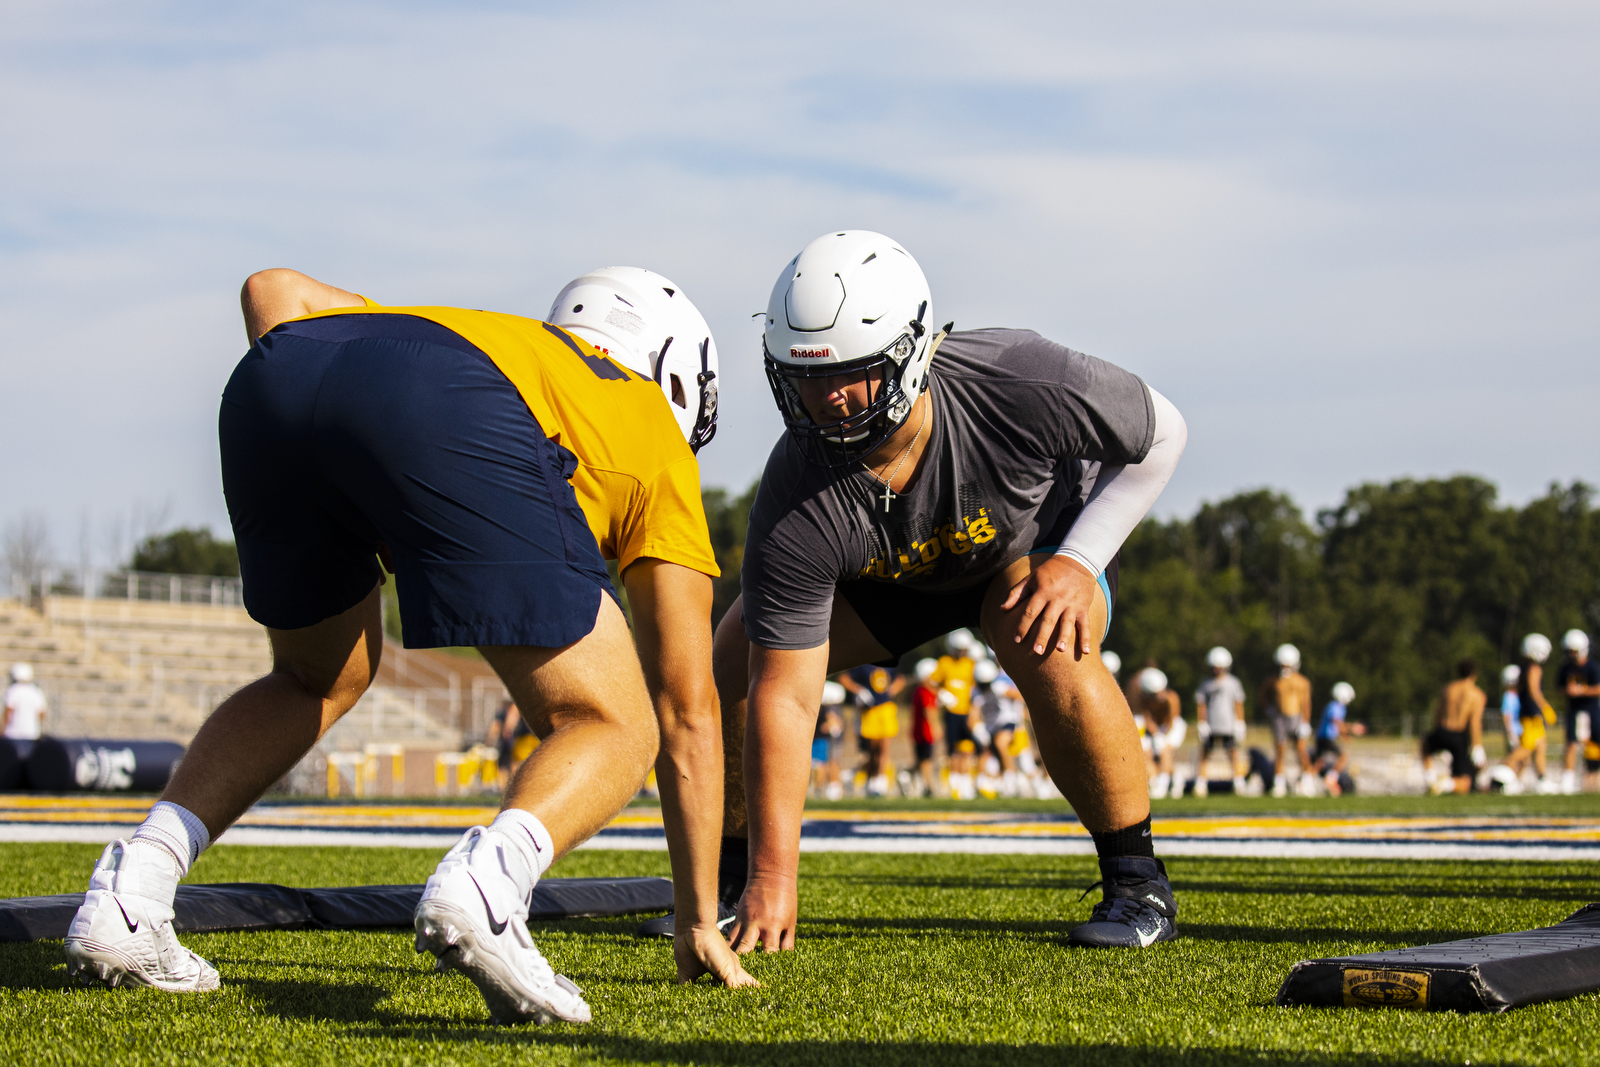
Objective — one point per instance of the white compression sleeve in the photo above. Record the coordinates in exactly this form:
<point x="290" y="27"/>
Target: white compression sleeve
<point x="1122" y="496"/>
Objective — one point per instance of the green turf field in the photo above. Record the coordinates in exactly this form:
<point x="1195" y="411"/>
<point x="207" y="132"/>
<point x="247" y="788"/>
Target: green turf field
<point x="935" y="960"/>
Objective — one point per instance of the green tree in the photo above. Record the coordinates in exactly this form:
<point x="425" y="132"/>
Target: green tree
<point x="1417" y="573"/>
<point x="728" y="518"/>
<point x="1244" y="573"/>
<point x="189" y="550"/>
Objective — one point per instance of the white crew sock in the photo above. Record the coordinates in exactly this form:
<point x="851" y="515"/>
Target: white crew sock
<point x="176" y="829"/>
<point x="531" y="852"/>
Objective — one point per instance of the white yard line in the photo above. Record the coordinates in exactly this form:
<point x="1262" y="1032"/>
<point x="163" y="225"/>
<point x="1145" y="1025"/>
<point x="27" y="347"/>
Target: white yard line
<point x="441" y="839"/>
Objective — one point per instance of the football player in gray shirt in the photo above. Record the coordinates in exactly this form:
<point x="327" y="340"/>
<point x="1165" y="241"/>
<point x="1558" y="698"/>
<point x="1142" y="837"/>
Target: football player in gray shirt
<point x="1219" y="714"/>
<point x="932" y="480"/>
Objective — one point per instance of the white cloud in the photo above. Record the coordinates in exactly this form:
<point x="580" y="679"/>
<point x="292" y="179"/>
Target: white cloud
<point x="1325" y="224"/>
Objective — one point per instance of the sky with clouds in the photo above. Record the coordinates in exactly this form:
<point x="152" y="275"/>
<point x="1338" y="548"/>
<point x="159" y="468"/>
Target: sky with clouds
<point x="1351" y="241"/>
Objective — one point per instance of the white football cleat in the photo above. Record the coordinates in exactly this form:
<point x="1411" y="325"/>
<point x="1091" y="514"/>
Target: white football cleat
<point x="472" y="918"/>
<point x="120" y="937"/>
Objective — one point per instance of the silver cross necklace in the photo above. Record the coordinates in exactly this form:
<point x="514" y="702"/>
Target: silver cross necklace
<point x="888" y="484"/>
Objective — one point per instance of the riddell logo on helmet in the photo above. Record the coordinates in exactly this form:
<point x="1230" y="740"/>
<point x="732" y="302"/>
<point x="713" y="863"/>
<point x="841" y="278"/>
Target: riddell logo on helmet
<point x="811" y="352"/>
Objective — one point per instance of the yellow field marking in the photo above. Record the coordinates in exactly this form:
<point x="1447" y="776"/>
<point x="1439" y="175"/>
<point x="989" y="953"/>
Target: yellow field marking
<point x="984" y="824"/>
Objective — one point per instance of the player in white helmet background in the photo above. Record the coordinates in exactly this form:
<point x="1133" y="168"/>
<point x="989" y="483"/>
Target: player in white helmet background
<point x="1330" y="758"/>
<point x="1537" y="714"/>
<point x="1220" y="721"/>
<point x="1164" y="726"/>
<point x="953" y="679"/>
<point x="1287" y="698"/>
<point x="932" y="480"/>
<point x="1579" y="681"/>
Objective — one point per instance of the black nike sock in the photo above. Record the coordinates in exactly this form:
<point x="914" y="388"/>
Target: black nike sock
<point x="733" y="869"/>
<point x="1134" y="840"/>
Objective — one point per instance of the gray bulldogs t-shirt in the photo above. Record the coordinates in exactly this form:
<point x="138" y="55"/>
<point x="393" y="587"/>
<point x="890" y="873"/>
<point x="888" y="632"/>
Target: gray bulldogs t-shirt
<point x="1219" y="697"/>
<point x="1015" y="424"/>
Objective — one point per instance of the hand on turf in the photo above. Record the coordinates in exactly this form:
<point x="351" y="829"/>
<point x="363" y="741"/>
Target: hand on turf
<point x="767" y="915"/>
<point x="702" y="950"/>
<point x="1055" y="601"/>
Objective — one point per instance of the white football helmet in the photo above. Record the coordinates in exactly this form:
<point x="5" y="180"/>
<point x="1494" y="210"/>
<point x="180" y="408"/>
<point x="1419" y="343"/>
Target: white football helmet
<point x="1344" y="692"/>
<point x="956" y="642"/>
<point x="1287" y="656"/>
<point x="985" y="671"/>
<point x="21" y="672"/>
<point x="1511" y="676"/>
<point x="1536" y="647"/>
<point x="833" y="694"/>
<point x="1575" y="641"/>
<point x="644" y="322"/>
<point x="925" y="669"/>
<point x="1112" y="661"/>
<point x="1219" y="657"/>
<point x="1152" y="681"/>
<point x="852" y="301"/>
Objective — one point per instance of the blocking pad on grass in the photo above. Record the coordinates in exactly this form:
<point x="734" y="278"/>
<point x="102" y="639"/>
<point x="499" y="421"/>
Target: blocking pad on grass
<point x="932" y="960"/>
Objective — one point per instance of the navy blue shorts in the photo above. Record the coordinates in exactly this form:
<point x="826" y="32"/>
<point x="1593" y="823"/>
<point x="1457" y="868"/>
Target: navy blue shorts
<point x="343" y="433"/>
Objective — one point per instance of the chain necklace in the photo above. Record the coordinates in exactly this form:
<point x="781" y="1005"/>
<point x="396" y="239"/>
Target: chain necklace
<point x="888" y="485"/>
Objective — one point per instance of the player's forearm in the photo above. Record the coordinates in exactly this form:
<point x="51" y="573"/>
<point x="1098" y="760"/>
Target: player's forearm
<point x="1122" y="496"/>
<point x="689" y="775"/>
<point x="785" y="687"/>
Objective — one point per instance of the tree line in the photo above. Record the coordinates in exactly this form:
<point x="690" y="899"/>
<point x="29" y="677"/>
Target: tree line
<point x="1386" y="591"/>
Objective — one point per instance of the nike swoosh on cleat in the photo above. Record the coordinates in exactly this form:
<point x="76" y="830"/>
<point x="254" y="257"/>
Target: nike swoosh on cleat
<point x="496" y="928"/>
<point x="133" y="927"/>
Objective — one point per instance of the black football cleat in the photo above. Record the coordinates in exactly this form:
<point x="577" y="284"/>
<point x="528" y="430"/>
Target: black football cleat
<point x="1137" y="907"/>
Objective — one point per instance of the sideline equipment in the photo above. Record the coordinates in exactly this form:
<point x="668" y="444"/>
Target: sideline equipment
<point x="262" y="906"/>
<point x="850" y="303"/>
<point x="1493" y="973"/>
<point x="646" y="323"/>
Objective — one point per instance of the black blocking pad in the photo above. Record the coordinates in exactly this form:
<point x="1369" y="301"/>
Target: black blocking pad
<point x="259" y="906"/>
<point x="1491" y="973"/>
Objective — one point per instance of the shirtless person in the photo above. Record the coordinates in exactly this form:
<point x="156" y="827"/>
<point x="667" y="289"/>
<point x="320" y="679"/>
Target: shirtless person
<point x="1287" y="698"/>
<point x="1163" y="723"/>
<point x="1458" y="730"/>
